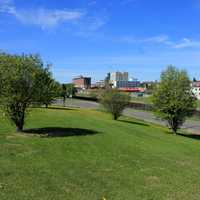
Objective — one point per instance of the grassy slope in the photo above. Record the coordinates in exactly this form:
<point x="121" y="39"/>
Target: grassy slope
<point x="124" y="161"/>
<point x="146" y="100"/>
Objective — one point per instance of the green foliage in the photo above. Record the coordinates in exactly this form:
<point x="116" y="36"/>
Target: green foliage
<point x="23" y="82"/>
<point x="114" y="102"/>
<point x="67" y="90"/>
<point x="63" y="92"/>
<point x="70" y="89"/>
<point x="173" y="99"/>
<point x="50" y="88"/>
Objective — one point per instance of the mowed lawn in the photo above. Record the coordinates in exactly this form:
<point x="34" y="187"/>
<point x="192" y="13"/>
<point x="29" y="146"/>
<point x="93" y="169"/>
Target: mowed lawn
<point x="88" y="156"/>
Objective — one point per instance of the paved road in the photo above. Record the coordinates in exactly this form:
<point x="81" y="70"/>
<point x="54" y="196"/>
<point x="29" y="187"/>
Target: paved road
<point x="191" y="126"/>
<point x="76" y="103"/>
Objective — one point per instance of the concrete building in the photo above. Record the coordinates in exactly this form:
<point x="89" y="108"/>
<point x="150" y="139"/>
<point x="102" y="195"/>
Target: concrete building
<point x="118" y="77"/>
<point x="196" y="89"/>
<point x="82" y="82"/>
<point x="127" y="84"/>
<point x="121" y="80"/>
<point x="99" y="84"/>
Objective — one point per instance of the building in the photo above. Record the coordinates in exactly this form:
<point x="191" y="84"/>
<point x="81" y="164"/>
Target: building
<point x="118" y="77"/>
<point x="196" y="89"/>
<point x="127" y="84"/>
<point x="121" y="80"/>
<point x="99" y="84"/>
<point x="82" y="82"/>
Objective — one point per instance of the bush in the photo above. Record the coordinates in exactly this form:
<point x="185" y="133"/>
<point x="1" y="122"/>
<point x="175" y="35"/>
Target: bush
<point x="173" y="99"/>
<point x="114" y="102"/>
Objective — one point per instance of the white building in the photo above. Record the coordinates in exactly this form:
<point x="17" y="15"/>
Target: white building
<point x="121" y="80"/>
<point x="196" y="89"/>
<point x="116" y="77"/>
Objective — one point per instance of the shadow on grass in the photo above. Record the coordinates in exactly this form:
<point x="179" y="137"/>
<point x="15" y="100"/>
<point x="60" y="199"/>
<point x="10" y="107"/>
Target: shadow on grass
<point x="193" y="136"/>
<point x="60" y="132"/>
<point x="59" y="108"/>
<point x="135" y="123"/>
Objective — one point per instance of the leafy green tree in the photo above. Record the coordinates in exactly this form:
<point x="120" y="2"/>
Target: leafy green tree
<point x="50" y="88"/>
<point x="173" y="99"/>
<point x="21" y="84"/>
<point x="63" y="93"/>
<point x="114" y="102"/>
<point x="70" y="89"/>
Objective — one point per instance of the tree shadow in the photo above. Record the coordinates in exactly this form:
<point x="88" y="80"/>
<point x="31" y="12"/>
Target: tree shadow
<point x="59" y="108"/>
<point x="192" y="136"/>
<point x="135" y="123"/>
<point x="60" y="132"/>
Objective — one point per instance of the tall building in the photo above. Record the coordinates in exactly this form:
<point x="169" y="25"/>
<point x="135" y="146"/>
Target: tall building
<point x="116" y="77"/>
<point x="121" y="80"/>
<point x="82" y="82"/>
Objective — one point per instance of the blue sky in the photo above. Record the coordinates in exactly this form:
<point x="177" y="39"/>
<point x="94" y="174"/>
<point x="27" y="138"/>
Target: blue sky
<point x="93" y="37"/>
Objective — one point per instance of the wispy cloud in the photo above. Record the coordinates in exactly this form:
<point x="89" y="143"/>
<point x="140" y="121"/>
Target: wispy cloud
<point x="187" y="43"/>
<point x="90" y="26"/>
<point x="45" y="18"/>
<point x="92" y="3"/>
<point x="164" y="40"/>
<point x="7" y="6"/>
<point x="159" y="39"/>
<point x="125" y="2"/>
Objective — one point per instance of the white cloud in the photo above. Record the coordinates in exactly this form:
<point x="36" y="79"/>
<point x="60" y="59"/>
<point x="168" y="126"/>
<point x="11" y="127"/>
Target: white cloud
<point x="160" y="39"/>
<point x="187" y="43"/>
<point x="45" y="18"/>
<point x="92" y="3"/>
<point x="85" y="23"/>
<point x="125" y="2"/>
<point x="7" y="6"/>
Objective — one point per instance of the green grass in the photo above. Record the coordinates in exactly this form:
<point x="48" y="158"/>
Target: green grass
<point x="198" y="104"/>
<point x="118" y="160"/>
<point x="146" y="100"/>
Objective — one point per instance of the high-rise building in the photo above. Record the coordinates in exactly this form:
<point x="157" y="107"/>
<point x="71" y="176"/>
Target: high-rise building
<point x="121" y="80"/>
<point x="118" y="77"/>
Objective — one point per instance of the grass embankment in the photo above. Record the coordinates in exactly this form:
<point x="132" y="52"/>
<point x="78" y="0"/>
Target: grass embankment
<point x="124" y="159"/>
<point x="145" y="100"/>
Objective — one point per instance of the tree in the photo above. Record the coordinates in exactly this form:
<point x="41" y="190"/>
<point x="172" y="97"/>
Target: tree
<point x="194" y="79"/>
<point x="21" y="85"/>
<point x="63" y="93"/>
<point x="173" y="99"/>
<point x="114" y="102"/>
<point x="70" y="89"/>
<point x="50" y="88"/>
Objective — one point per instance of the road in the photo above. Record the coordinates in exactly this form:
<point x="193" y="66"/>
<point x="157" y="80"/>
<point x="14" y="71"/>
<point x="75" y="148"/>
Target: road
<point x="190" y="126"/>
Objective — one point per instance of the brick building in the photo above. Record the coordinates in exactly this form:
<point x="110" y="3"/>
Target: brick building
<point x="82" y="82"/>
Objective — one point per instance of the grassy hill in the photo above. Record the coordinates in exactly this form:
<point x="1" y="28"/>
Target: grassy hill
<point x="84" y="155"/>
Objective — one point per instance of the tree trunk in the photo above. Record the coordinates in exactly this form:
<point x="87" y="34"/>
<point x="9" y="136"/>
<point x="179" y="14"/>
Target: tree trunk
<point x="115" y="117"/>
<point x="46" y="105"/>
<point x="173" y="125"/>
<point x="20" y="122"/>
<point x="64" y="99"/>
<point x="19" y="129"/>
<point x="174" y="131"/>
